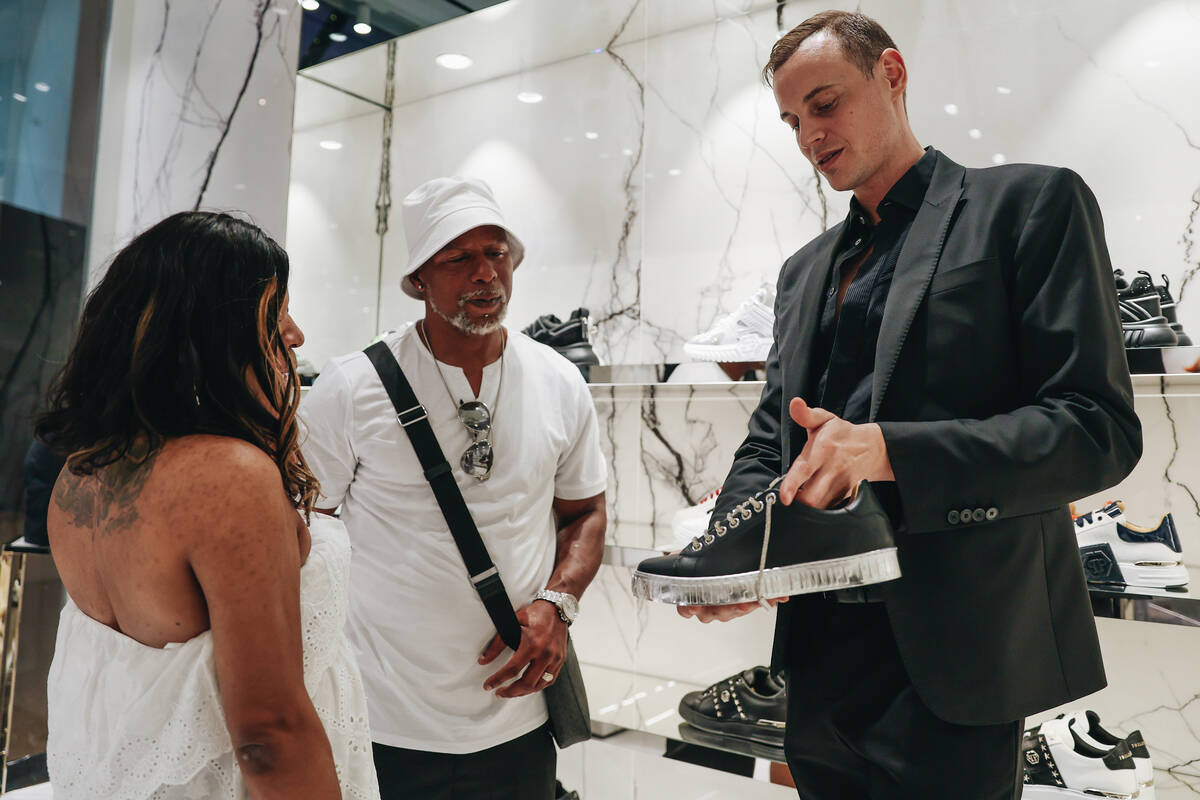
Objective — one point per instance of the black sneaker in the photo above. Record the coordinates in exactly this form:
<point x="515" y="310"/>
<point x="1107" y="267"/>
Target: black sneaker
<point x="762" y="549"/>
<point x="1167" y="303"/>
<point x="571" y="339"/>
<point x="749" y="705"/>
<point x="1142" y="319"/>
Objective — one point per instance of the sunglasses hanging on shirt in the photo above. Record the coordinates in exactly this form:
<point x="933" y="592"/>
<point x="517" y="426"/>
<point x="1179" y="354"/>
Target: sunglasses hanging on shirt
<point x="475" y="416"/>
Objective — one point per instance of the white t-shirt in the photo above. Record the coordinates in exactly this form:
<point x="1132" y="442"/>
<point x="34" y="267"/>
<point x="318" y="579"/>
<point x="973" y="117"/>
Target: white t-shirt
<point x="415" y="619"/>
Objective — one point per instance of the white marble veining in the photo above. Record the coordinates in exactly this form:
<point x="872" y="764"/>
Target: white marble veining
<point x="655" y="184"/>
<point x="196" y="113"/>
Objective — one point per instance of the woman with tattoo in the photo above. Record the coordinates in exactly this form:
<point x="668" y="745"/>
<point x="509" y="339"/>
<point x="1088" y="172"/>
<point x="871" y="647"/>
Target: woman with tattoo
<point x="200" y="653"/>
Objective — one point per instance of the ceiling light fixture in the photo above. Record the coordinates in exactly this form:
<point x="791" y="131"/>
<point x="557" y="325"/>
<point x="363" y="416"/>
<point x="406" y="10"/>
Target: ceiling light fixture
<point x="529" y="97"/>
<point x="975" y="133"/>
<point x="1003" y="90"/>
<point x="337" y="37"/>
<point x="41" y="86"/>
<point x="950" y="109"/>
<point x="591" y="135"/>
<point x="330" y="144"/>
<point x="20" y="98"/>
<point x="363" y="26"/>
<point x="453" y="61"/>
<point x="999" y="158"/>
<point x="309" y="5"/>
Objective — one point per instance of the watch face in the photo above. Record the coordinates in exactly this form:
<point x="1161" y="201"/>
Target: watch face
<point x="570" y="606"/>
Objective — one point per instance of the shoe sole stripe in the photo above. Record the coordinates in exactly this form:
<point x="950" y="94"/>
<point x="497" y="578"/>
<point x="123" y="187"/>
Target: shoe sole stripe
<point x="862" y="569"/>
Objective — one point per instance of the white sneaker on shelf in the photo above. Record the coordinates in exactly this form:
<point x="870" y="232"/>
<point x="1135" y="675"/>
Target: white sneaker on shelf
<point x="745" y="334"/>
<point x="691" y="522"/>
<point x="1059" y="763"/>
<point x="1087" y="725"/>
<point x="1114" y="551"/>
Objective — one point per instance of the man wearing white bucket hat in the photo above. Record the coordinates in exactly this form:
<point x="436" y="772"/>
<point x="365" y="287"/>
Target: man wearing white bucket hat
<point x="453" y="712"/>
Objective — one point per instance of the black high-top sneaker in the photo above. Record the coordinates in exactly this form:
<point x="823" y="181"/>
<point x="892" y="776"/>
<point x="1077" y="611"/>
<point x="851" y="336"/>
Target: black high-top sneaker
<point x="749" y="705"/>
<point x="1142" y="319"/>
<point x="762" y="549"/>
<point x="571" y="339"/>
<point x="1167" y="303"/>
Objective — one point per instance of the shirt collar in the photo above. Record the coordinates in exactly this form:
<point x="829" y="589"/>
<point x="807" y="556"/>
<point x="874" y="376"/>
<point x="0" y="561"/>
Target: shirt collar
<point x="908" y="192"/>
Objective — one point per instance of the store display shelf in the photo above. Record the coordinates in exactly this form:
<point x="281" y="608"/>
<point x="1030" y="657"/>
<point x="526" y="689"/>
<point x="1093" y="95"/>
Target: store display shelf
<point x="1166" y="606"/>
<point x="1182" y="384"/>
<point x="622" y="700"/>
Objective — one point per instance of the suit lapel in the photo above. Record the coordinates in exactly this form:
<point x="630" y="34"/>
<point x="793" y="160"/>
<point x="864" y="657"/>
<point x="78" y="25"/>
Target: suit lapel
<point x="914" y="269"/>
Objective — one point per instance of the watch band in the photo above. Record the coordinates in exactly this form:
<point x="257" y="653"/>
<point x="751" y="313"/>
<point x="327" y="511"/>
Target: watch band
<point x="559" y="599"/>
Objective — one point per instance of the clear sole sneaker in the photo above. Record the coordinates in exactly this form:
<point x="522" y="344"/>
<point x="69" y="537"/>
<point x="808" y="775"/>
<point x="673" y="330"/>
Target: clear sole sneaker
<point x="860" y="569"/>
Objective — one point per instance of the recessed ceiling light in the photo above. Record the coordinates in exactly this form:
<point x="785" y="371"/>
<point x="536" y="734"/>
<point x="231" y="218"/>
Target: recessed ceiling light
<point x="999" y="158"/>
<point x="262" y="101"/>
<point x="673" y="172"/>
<point x="950" y="109"/>
<point x="1003" y="90"/>
<point x="41" y="86"/>
<point x="591" y="135"/>
<point x="529" y="97"/>
<point x="626" y="152"/>
<point x="330" y="144"/>
<point x="975" y="133"/>
<point x="453" y="61"/>
<point x="337" y="37"/>
<point x="20" y="98"/>
<point x="309" y="5"/>
<point x="362" y="28"/>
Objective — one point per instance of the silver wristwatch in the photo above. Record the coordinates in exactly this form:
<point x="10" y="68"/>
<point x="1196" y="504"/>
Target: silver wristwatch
<point x="567" y="604"/>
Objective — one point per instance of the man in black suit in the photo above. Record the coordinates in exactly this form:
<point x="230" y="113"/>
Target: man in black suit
<point x="955" y="340"/>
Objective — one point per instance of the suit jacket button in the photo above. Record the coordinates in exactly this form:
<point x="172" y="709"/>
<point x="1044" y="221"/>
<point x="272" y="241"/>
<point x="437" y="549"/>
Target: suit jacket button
<point x="952" y="517"/>
<point x="964" y="516"/>
<point x="991" y="513"/>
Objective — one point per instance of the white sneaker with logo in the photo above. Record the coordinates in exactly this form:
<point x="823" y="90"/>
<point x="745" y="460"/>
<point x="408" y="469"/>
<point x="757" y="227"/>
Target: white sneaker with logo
<point x="1116" y="552"/>
<point x="1087" y="725"/>
<point x="1059" y="763"/>
<point x="745" y="334"/>
<point x="692" y="522"/>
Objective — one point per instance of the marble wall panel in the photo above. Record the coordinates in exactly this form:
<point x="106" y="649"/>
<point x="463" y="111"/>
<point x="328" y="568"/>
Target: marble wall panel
<point x="197" y="113"/>
<point x="692" y="193"/>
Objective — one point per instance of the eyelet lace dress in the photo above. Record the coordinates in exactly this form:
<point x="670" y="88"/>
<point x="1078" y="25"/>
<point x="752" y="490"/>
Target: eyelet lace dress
<point x="131" y="722"/>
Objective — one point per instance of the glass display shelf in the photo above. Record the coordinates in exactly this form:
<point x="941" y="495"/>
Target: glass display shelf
<point x="623" y="700"/>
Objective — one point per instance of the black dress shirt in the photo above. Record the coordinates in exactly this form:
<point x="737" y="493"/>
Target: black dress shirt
<point x="846" y="341"/>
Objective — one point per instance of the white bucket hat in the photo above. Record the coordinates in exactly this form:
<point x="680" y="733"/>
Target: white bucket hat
<point x="439" y="211"/>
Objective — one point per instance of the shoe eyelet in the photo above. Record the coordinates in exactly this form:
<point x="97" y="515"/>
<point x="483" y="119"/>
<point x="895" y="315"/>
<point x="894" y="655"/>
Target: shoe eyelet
<point x="733" y="523"/>
<point x="709" y="538"/>
<point x="745" y="513"/>
<point x="756" y="505"/>
<point x="719" y="529"/>
<point x="696" y="547"/>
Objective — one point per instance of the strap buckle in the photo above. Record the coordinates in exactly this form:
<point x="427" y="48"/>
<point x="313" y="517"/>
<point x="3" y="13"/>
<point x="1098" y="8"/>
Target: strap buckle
<point x="488" y="583"/>
<point x="418" y="408"/>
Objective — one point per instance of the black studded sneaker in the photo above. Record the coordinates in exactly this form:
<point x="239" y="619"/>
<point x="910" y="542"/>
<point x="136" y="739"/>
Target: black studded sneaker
<point x="1142" y="320"/>
<point x="749" y="705"/>
<point x="762" y="549"/>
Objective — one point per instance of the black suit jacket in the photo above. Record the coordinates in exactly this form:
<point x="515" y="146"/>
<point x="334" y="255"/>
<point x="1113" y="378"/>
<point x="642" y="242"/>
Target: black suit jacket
<point x="1000" y="384"/>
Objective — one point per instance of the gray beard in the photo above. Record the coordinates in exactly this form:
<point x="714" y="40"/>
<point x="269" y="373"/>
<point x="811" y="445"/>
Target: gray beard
<point x="461" y="320"/>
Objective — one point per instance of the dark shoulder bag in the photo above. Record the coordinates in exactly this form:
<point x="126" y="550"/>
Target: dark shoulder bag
<point x="566" y="700"/>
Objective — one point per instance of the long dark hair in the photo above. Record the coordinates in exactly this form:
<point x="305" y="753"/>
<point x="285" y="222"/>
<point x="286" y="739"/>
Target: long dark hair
<point x="185" y="318"/>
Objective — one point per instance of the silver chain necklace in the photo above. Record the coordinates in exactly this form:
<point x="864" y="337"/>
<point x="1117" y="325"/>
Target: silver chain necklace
<point x="424" y="337"/>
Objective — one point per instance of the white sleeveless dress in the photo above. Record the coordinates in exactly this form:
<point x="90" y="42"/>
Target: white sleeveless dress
<point x="131" y="722"/>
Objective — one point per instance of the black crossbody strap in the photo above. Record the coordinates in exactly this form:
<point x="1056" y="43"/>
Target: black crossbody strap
<point x="412" y="417"/>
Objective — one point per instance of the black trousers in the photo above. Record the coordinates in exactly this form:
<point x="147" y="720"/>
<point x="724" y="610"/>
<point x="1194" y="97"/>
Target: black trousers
<point x="856" y="729"/>
<point x="522" y="769"/>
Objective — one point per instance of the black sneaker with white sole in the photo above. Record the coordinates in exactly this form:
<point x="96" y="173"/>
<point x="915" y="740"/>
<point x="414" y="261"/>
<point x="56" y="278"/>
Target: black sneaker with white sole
<point x="762" y="549"/>
<point x="749" y="705"/>
<point x="1167" y="303"/>
<point x="1142" y="319"/>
